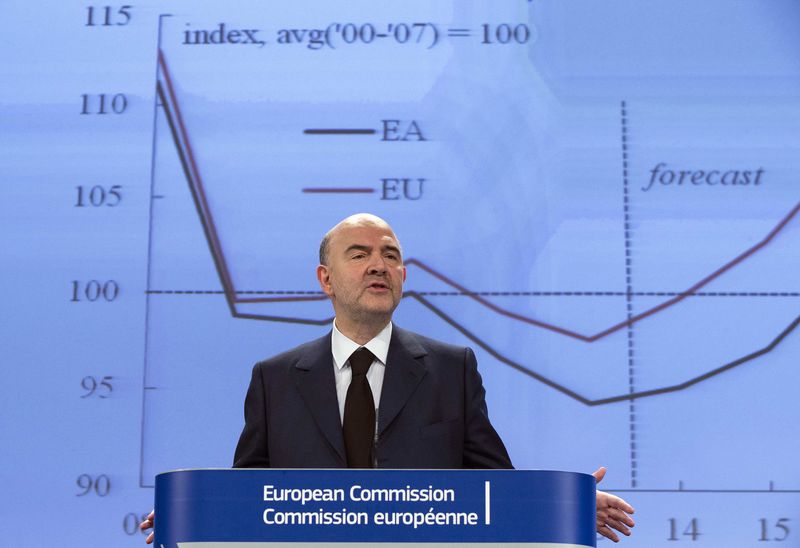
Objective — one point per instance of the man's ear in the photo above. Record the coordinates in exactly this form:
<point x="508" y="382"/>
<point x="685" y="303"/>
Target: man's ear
<point x="404" y="274"/>
<point x="324" y="278"/>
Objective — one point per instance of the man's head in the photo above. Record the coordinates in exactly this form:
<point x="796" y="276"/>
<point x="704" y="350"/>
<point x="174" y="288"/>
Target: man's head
<point x="361" y="270"/>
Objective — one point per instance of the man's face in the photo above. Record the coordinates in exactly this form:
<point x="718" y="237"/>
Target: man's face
<point x="365" y="273"/>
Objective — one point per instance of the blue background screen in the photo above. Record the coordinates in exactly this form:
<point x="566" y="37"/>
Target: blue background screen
<point x="600" y="198"/>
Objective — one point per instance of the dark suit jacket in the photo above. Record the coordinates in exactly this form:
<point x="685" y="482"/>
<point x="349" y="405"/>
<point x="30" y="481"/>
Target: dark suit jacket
<point x="432" y="412"/>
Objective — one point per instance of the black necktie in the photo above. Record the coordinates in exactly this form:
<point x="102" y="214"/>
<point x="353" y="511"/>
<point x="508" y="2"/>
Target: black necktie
<point x="359" y="412"/>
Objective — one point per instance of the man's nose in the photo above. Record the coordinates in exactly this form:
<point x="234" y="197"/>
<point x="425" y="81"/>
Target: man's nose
<point x="377" y="265"/>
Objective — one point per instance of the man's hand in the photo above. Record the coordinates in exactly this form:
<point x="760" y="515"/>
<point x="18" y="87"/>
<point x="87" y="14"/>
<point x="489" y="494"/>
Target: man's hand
<point x="612" y="512"/>
<point x="148" y="524"/>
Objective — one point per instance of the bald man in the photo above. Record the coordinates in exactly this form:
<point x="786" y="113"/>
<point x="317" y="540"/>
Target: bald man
<point x="428" y="397"/>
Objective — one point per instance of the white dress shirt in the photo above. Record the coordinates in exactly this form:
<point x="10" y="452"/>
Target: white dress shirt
<point x="342" y="348"/>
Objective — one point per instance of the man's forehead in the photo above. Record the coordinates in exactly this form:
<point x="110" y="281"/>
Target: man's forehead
<point x="364" y="234"/>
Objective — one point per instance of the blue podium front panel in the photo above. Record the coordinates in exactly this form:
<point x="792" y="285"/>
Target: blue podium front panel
<point x="251" y="508"/>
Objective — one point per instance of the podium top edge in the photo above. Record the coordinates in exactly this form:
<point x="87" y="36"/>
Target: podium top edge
<point x="382" y="470"/>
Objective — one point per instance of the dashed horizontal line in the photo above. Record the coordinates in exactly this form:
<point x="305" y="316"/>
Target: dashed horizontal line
<point x="501" y="293"/>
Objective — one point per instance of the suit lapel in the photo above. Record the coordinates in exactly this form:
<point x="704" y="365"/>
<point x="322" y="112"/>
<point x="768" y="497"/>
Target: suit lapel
<point x="313" y="376"/>
<point x="404" y="371"/>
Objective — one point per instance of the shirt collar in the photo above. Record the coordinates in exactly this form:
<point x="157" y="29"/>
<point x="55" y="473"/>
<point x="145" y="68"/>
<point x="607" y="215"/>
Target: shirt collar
<point x="342" y="347"/>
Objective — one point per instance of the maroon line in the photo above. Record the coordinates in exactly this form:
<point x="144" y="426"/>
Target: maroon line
<point x="561" y="330"/>
<point x="331" y="190"/>
<point x="717" y="273"/>
<point x="230" y="292"/>
<point x="616" y="327"/>
<point x="493" y="306"/>
<point x="216" y="246"/>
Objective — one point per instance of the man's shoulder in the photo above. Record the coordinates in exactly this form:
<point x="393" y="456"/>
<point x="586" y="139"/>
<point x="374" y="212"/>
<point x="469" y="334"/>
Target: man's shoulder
<point x="426" y="344"/>
<point x="294" y="355"/>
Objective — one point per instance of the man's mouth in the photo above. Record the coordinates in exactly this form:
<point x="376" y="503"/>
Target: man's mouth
<point x="378" y="286"/>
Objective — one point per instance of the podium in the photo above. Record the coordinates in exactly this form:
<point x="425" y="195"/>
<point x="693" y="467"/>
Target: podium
<point x="260" y="508"/>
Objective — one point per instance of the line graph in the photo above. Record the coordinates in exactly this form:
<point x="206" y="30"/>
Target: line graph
<point x="653" y="332"/>
<point x="234" y="297"/>
<point x="186" y="152"/>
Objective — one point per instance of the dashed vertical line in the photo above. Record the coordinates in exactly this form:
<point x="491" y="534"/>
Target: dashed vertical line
<point x="628" y="293"/>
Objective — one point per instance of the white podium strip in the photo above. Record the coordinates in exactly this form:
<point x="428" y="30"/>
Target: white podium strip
<point x="488" y="492"/>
